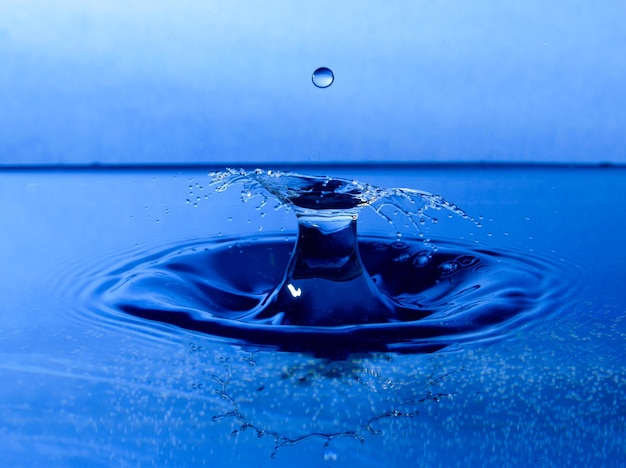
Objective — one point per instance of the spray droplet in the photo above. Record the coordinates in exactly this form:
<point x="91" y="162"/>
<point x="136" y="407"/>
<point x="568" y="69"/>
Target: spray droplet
<point x="323" y="77"/>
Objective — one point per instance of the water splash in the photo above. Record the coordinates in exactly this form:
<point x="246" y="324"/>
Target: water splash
<point x="328" y="291"/>
<point x="325" y="283"/>
<point x="335" y="196"/>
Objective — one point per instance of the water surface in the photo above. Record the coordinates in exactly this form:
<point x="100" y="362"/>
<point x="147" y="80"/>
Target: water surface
<point x="84" y="387"/>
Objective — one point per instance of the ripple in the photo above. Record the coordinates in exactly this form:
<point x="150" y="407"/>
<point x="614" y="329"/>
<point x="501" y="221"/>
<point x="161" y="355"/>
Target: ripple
<point x="454" y="293"/>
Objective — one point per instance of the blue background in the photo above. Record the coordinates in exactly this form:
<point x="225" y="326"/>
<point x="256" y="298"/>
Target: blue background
<point x="230" y="82"/>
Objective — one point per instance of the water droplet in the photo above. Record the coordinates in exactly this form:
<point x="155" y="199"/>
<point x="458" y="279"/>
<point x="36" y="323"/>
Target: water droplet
<point x="449" y="267"/>
<point x="421" y="258"/>
<point x="323" y="77"/>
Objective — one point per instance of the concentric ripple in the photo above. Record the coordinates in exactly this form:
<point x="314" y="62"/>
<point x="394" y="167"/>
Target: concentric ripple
<point x="328" y="291"/>
<point x="451" y="294"/>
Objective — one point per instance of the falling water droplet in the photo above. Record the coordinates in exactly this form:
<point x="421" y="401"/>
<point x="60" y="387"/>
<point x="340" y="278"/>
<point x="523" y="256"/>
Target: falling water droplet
<point x="323" y="77"/>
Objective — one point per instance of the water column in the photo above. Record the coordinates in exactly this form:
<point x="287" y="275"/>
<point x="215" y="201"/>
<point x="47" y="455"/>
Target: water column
<point x="325" y="283"/>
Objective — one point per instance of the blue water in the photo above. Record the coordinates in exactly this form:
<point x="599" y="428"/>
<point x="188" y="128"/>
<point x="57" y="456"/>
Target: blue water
<point x="82" y="386"/>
